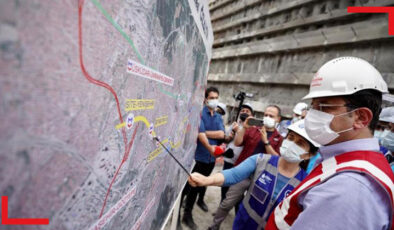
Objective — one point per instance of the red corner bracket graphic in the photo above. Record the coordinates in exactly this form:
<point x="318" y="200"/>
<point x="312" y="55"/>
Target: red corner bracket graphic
<point x="375" y="9"/>
<point x="20" y="221"/>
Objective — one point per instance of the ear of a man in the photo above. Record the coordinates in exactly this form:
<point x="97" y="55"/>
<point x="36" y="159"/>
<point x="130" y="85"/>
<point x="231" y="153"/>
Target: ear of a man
<point x="363" y="118"/>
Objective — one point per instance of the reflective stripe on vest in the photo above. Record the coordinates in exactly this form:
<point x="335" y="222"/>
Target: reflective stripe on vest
<point x="258" y="201"/>
<point x="371" y="163"/>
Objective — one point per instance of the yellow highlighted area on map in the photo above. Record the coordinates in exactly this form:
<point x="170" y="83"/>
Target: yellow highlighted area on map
<point x="121" y="125"/>
<point x="139" y="104"/>
<point x="176" y="145"/>
<point x="185" y="119"/>
<point x="136" y="119"/>
<point x="156" y="152"/>
<point x="161" y="121"/>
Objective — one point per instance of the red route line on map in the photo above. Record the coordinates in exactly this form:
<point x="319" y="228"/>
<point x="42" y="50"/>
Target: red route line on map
<point x="105" y="85"/>
<point x="117" y="171"/>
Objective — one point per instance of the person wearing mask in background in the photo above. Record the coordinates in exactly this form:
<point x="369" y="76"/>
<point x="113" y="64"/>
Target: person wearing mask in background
<point x="264" y="139"/>
<point x="352" y="188"/>
<point x="254" y="140"/>
<point x="246" y="111"/>
<point x="273" y="178"/>
<point x="383" y="128"/>
<point x="229" y="131"/>
<point x="299" y="112"/>
<point x="212" y="127"/>
<point x="221" y="109"/>
<point x="387" y="136"/>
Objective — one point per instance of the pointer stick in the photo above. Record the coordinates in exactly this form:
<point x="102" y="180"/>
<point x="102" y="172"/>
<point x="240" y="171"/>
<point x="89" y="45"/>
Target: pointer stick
<point x="179" y="163"/>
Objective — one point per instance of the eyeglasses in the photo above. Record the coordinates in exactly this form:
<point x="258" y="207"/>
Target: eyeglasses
<point x="384" y="126"/>
<point x="379" y="126"/>
<point x="322" y="105"/>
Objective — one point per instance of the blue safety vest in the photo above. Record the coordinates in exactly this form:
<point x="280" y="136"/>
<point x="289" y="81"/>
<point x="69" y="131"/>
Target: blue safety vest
<point x="259" y="203"/>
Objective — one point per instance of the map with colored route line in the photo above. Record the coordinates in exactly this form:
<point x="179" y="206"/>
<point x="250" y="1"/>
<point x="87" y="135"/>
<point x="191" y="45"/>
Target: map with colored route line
<point x="85" y="86"/>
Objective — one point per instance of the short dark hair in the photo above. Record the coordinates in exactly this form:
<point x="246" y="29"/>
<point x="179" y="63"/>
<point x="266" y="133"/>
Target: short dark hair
<point x="211" y="89"/>
<point x="312" y="150"/>
<point x="277" y="108"/>
<point x="369" y="98"/>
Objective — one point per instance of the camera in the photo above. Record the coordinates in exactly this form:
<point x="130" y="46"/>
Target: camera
<point x="242" y="95"/>
<point x="256" y="122"/>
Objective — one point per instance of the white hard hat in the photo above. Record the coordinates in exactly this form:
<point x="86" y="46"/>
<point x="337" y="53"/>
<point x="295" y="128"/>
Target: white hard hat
<point x="301" y="106"/>
<point x="223" y="107"/>
<point x="248" y="106"/>
<point x="387" y="115"/>
<point x="345" y="76"/>
<point x="299" y="128"/>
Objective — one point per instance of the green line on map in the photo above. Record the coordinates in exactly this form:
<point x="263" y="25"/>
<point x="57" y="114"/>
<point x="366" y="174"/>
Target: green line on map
<point x="128" y="39"/>
<point x="117" y="26"/>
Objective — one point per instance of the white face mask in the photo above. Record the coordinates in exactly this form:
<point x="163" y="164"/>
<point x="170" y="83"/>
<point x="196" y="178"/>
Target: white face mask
<point x="384" y="133"/>
<point x="317" y="126"/>
<point x="213" y="103"/>
<point x="377" y="134"/>
<point x="388" y="141"/>
<point x="269" y="122"/>
<point x="295" y="119"/>
<point x="291" y="152"/>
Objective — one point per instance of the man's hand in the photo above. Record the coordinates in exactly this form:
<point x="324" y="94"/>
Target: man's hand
<point x="246" y="126"/>
<point x="235" y="127"/>
<point x="264" y="137"/>
<point x="239" y="136"/>
<point x="212" y="149"/>
<point x="219" y="150"/>
<point x="196" y="179"/>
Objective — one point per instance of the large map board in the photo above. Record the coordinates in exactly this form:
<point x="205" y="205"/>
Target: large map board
<point x="84" y="85"/>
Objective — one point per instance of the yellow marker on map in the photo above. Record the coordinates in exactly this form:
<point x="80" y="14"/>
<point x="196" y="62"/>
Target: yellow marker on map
<point x="139" y="104"/>
<point x="156" y="152"/>
<point x="161" y="121"/>
<point x="139" y="119"/>
<point x="185" y="119"/>
<point x="121" y="125"/>
<point x="176" y="145"/>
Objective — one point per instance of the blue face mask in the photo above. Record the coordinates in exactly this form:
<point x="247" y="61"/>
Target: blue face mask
<point x="388" y="141"/>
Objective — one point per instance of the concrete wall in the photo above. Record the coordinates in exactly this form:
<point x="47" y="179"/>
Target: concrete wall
<point x="273" y="48"/>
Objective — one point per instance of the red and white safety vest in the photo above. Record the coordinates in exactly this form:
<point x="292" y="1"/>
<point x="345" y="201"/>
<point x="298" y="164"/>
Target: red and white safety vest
<point x="371" y="163"/>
